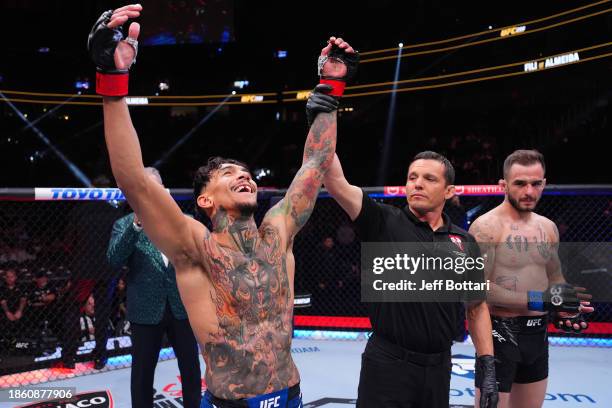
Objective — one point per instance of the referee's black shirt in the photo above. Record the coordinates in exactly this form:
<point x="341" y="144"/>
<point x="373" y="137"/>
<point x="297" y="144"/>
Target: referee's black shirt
<point x="422" y="327"/>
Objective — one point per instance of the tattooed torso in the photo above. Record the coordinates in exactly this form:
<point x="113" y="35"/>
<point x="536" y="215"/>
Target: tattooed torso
<point x="521" y="252"/>
<point x="243" y="321"/>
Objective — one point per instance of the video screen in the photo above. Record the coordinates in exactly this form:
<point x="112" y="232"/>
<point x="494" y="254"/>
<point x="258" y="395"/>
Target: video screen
<point x="187" y="22"/>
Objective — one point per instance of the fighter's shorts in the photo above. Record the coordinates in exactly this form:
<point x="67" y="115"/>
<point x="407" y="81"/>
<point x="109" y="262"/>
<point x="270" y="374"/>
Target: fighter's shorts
<point x="287" y="398"/>
<point x="521" y="350"/>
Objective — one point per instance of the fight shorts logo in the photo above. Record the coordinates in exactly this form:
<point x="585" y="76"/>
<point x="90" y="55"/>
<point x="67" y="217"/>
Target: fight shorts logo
<point x="534" y="322"/>
<point x="270" y="403"/>
<point x="273" y="400"/>
<point x="463" y="366"/>
<point x="498" y="336"/>
<point x="96" y="399"/>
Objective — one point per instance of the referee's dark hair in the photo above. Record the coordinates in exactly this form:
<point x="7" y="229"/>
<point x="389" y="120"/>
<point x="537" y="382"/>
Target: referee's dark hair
<point x="449" y="174"/>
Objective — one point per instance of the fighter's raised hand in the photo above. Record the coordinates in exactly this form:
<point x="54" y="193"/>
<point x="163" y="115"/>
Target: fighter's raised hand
<point x="111" y="52"/>
<point x="337" y="64"/>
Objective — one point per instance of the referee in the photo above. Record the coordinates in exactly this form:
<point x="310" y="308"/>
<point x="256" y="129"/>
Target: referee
<point x="407" y="360"/>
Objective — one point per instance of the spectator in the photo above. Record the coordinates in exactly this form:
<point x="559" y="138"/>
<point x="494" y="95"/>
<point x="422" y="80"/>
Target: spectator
<point x="41" y="304"/>
<point x="87" y="321"/>
<point x="326" y="263"/>
<point x="13" y="300"/>
<point x="119" y="319"/>
<point x="347" y="254"/>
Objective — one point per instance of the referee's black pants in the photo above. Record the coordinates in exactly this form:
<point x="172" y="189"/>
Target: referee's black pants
<point x="146" y="344"/>
<point x="393" y="377"/>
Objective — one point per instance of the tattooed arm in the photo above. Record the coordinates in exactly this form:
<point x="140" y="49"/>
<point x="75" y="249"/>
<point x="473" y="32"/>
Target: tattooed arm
<point x="485" y="230"/>
<point x="553" y="266"/>
<point x="295" y="208"/>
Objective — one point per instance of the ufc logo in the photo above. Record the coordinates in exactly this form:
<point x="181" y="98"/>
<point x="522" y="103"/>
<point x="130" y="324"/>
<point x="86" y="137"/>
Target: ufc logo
<point x="270" y="403"/>
<point x="534" y="322"/>
<point x="498" y="336"/>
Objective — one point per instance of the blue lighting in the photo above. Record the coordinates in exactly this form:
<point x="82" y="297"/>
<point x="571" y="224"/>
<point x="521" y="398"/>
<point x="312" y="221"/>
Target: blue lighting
<point x="126" y="359"/>
<point x="81" y="84"/>
<point x="225" y="36"/>
<point x="329" y="335"/>
<point x="580" y="342"/>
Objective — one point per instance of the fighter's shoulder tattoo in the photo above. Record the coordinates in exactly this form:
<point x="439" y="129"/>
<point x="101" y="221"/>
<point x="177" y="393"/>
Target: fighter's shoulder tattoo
<point x="483" y="230"/>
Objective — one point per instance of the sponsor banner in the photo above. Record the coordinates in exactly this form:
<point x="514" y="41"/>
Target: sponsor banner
<point x="77" y="194"/>
<point x="473" y="190"/>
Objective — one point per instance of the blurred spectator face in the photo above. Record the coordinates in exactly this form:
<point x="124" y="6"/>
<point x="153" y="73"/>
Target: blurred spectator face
<point x="121" y="284"/>
<point x="42" y="281"/>
<point x="10" y="277"/>
<point x="328" y="243"/>
<point x="89" y="306"/>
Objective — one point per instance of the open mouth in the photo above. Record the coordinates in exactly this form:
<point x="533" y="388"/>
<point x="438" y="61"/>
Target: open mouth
<point x="243" y="188"/>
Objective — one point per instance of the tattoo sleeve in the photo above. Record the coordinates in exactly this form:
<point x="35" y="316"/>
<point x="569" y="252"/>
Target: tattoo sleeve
<point x="319" y="150"/>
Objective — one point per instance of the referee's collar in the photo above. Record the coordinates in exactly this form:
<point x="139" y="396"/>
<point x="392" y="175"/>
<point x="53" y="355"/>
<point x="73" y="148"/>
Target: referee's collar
<point x="447" y="225"/>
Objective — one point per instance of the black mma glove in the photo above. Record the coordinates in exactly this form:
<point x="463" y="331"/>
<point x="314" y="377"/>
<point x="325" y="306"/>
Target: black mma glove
<point x="350" y="60"/>
<point x="319" y="101"/>
<point x="560" y="323"/>
<point x="485" y="367"/>
<point x="101" y="45"/>
<point x="560" y="297"/>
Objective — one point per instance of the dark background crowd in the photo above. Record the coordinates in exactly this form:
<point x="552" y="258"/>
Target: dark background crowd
<point x="563" y="112"/>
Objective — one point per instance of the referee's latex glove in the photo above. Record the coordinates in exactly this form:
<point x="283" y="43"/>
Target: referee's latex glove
<point x="488" y="389"/>
<point x="319" y="101"/>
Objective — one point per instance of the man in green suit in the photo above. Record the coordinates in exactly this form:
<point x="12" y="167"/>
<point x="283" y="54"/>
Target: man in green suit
<point x="154" y="307"/>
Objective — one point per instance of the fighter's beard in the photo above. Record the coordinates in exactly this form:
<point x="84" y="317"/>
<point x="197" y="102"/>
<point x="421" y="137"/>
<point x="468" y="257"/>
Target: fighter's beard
<point x="517" y="206"/>
<point x="246" y="210"/>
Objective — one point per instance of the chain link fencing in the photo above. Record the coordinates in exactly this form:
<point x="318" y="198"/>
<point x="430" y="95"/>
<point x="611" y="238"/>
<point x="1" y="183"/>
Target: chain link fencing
<point x="60" y="297"/>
